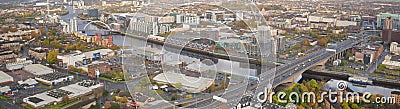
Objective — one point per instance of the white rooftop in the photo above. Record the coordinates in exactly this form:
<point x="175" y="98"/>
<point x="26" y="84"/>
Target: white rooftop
<point x="5" y="89"/>
<point x="29" y="81"/>
<point x="38" y="69"/>
<point x="78" y="90"/>
<point x="191" y="84"/>
<point x="74" y="88"/>
<point x="4" y="77"/>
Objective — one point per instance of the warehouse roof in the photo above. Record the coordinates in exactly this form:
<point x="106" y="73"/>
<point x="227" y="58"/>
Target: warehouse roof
<point x="4" y="77"/>
<point x="38" y="69"/>
<point x="189" y="83"/>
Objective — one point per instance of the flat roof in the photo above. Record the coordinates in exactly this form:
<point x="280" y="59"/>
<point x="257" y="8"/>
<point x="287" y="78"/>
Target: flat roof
<point x="5" y="88"/>
<point x="47" y="97"/>
<point x="189" y="83"/>
<point x="35" y="100"/>
<point x="38" y="69"/>
<point x="80" y="87"/>
<point x="4" y="77"/>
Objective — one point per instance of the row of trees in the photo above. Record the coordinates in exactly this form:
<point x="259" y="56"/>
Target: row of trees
<point x="6" y="29"/>
<point x="309" y="86"/>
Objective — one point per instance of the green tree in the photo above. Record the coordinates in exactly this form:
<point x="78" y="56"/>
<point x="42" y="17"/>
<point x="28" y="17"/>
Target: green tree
<point x="354" y="106"/>
<point x="345" y="105"/>
<point x="52" y="56"/>
<point x="297" y="31"/>
<point x="189" y="96"/>
<point x="123" y="99"/>
<point x="115" y="106"/>
<point x="382" y="66"/>
<point x="113" y="98"/>
<point x="314" y="83"/>
<point x="105" y="93"/>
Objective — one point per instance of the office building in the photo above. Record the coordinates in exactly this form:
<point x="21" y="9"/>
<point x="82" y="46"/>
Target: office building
<point x="73" y="24"/>
<point x="188" y="18"/>
<point x="396" y="95"/>
<point x="145" y="24"/>
<point x="394" y="20"/>
<point x="95" y="69"/>
<point x="265" y="40"/>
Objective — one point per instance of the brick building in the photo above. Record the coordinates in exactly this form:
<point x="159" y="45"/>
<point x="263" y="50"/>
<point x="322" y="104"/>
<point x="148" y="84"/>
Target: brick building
<point x="100" y="67"/>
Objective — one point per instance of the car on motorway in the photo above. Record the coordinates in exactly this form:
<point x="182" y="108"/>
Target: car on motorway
<point x="297" y="68"/>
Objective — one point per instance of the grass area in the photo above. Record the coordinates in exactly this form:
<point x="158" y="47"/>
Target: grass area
<point x="383" y="69"/>
<point x="219" y="52"/>
<point x="44" y="86"/>
<point x="29" y="107"/>
<point x="114" y="76"/>
<point x="4" y="98"/>
<point x="288" y="35"/>
<point x="280" y="62"/>
<point x="295" y="47"/>
<point x="108" y="79"/>
<point x="62" y="105"/>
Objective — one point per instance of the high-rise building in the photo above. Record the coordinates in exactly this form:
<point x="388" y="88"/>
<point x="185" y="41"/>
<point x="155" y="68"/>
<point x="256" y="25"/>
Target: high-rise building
<point x="388" y="25"/>
<point x="265" y="40"/>
<point x="280" y="42"/>
<point x="73" y="25"/>
<point x="394" y="19"/>
<point x="143" y="23"/>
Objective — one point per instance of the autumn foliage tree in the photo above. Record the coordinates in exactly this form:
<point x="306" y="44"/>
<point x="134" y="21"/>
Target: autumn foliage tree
<point x="52" y="56"/>
<point x="306" y="41"/>
<point x="35" y="34"/>
<point x="4" y="29"/>
<point x="13" y="30"/>
<point x="323" y="41"/>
